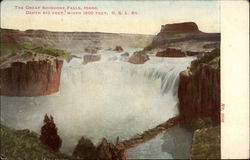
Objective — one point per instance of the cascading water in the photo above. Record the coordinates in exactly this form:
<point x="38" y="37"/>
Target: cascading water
<point x="107" y="98"/>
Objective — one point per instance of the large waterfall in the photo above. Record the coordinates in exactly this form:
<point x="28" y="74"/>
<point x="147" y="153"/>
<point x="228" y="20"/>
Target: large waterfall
<point x="107" y="98"/>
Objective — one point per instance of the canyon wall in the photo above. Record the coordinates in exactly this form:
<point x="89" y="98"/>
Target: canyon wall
<point x="76" y="41"/>
<point x="31" y="78"/>
<point x="199" y="91"/>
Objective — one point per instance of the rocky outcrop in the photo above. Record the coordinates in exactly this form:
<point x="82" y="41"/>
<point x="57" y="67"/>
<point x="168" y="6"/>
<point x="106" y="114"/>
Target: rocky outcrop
<point x="92" y="49"/>
<point x="118" y="49"/>
<point x="91" y="58"/>
<point x="199" y="90"/>
<point x="31" y="78"/>
<point x="109" y="151"/>
<point x="180" y="27"/>
<point x="171" y="52"/>
<point x="138" y="58"/>
<point x="181" y="32"/>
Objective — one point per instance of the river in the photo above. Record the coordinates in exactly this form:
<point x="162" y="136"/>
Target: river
<point x="107" y="98"/>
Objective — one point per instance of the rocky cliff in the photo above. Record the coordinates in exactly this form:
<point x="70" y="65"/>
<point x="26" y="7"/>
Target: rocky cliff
<point x="180" y="27"/>
<point x="185" y="36"/>
<point x="31" y="78"/>
<point x="75" y="41"/>
<point x="199" y="88"/>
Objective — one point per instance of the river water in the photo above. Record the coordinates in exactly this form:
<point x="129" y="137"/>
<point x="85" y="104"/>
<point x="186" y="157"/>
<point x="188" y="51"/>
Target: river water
<point x="107" y="98"/>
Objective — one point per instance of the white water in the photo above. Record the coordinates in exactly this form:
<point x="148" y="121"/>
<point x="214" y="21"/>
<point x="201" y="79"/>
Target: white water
<point x="108" y="98"/>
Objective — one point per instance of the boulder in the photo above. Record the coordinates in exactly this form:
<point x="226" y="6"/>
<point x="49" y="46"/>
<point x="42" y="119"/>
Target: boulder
<point x="118" y="49"/>
<point x="92" y="49"/>
<point x="138" y="58"/>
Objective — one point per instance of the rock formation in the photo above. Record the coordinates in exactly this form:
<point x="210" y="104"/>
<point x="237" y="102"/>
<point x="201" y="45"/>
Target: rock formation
<point x="109" y="151"/>
<point x="199" y="90"/>
<point x="118" y="49"/>
<point x="75" y="41"/>
<point x="192" y="53"/>
<point x="171" y="52"/>
<point x="138" y="58"/>
<point x="31" y="78"/>
<point x="92" y="49"/>
<point x="187" y="32"/>
<point x="91" y="58"/>
<point x="180" y="27"/>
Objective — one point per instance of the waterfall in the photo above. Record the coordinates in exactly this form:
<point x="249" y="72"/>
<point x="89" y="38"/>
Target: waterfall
<point x="106" y="98"/>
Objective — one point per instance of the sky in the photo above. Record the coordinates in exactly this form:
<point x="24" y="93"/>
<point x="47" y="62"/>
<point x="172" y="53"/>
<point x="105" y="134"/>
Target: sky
<point x="148" y="20"/>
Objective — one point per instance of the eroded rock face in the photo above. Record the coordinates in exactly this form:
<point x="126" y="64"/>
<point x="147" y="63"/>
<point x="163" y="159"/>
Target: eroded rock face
<point x="33" y="78"/>
<point x="181" y="32"/>
<point x="75" y="41"/>
<point x="171" y="52"/>
<point x="180" y="27"/>
<point x="138" y="58"/>
<point x="199" y="91"/>
<point x="91" y="58"/>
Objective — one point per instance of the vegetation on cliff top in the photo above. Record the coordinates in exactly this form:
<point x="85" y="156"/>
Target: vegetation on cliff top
<point x="204" y="59"/>
<point x="9" y="50"/>
<point x="206" y="143"/>
<point x="24" y="145"/>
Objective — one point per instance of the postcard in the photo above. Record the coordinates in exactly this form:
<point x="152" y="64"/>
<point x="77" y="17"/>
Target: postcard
<point x="118" y="80"/>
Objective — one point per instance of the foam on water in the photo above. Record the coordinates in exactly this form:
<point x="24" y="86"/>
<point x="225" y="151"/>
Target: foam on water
<point x="108" y="98"/>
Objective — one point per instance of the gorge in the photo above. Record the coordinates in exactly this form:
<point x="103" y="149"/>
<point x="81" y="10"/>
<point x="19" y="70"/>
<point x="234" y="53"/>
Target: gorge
<point x="111" y="95"/>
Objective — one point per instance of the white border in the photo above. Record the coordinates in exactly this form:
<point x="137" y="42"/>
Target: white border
<point x="235" y="79"/>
